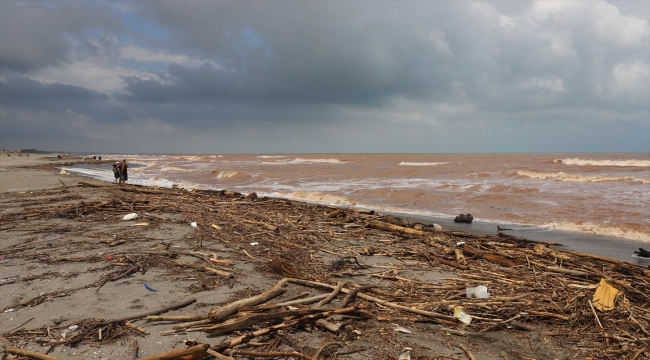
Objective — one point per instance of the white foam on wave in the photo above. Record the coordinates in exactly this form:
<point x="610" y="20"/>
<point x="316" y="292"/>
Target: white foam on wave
<point x="599" y="229"/>
<point x="316" y="161"/>
<point x="271" y="156"/>
<point x="177" y="169"/>
<point x="577" y="161"/>
<point x="404" y="163"/>
<point x="579" y="178"/>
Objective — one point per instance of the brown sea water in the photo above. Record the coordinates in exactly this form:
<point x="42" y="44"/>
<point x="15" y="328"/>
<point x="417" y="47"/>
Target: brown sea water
<point x="606" y="194"/>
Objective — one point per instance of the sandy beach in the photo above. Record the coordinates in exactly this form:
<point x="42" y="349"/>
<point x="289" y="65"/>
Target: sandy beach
<point x="73" y="270"/>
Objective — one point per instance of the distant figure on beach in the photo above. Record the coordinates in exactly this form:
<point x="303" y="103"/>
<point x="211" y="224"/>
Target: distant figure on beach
<point x="94" y="157"/>
<point x="462" y="218"/>
<point x="59" y="156"/>
<point x="123" y="172"/>
<point x="116" y="171"/>
<point x="100" y="158"/>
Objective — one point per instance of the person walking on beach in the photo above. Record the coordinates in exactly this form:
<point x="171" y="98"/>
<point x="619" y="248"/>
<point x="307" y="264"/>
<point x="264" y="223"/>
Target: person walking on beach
<point x="123" y="172"/>
<point x="116" y="171"/>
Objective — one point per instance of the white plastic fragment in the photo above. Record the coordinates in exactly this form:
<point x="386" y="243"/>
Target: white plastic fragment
<point x="460" y="243"/>
<point x="73" y="327"/>
<point x="480" y="292"/>
<point x="462" y="316"/>
<point x="193" y="224"/>
<point x="437" y="227"/>
<point x="406" y="355"/>
<point x="130" y="216"/>
<point x="9" y="310"/>
<point x="402" y="329"/>
<point x="254" y="243"/>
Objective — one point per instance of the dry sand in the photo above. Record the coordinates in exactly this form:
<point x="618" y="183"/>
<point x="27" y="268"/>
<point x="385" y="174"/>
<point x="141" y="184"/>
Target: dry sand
<point x="64" y="259"/>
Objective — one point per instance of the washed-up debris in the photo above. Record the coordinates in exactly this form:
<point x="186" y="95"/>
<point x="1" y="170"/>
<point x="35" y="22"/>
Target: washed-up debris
<point x="531" y="286"/>
<point x="605" y="296"/>
<point x="149" y="288"/>
<point x="402" y="329"/>
<point x="130" y="216"/>
<point x="480" y="292"/>
<point x="462" y="316"/>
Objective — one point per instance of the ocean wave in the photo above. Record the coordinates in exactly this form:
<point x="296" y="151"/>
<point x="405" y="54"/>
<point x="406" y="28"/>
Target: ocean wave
<point x="576" y="161"/>
<point x="232" y="176"/>
<point x="316" y="161"/>
<point x="600" y="229"/>
<point x="274" y="163"/>
<point x="177" y="169"/>
<point x="404" y="163"/>
<point x="271" y="156"/>
<point x="579" y="178"/>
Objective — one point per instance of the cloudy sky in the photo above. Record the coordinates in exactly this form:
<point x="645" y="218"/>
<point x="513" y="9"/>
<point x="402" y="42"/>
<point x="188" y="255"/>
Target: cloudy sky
<point x="325" y="76"/>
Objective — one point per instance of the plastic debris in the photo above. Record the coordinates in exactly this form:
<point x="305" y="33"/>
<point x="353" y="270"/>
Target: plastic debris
<point x="63" y="172"/>
<point x="480" y="292"/>
<point x="73" y="327"/>
<point x="254" y="243"/>
<point x="437" y="227"/>
<point x="149" y="288"/>
<point x="109" y="258"/>
<point x="9" y="310"/>
<point x="605" y="296"/>
<point x="402" y="329"/>
<point x="216" y="227"/>
<point x="406" y="355"/>
<point x="462" y="316"/>
<point x="193" y="224"/>
<point x="140" y="224"/>
<point x="130" y="216"/>
<point x="460" y="243"/>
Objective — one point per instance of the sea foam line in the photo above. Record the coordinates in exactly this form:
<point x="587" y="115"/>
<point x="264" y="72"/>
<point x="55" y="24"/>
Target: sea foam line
<point x="578" y="178"/>
<point x="577" y="161"/>
<point x="404" y="163"/>
<point x="599" y="229"/>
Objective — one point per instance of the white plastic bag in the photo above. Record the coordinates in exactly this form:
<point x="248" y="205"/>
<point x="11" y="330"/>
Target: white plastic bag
<point x="480" y="292"/>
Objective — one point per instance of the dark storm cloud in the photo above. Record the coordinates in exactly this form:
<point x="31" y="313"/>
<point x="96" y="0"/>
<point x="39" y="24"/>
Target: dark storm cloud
<point x="426" y="67"/>
<point x="34" y="35"/>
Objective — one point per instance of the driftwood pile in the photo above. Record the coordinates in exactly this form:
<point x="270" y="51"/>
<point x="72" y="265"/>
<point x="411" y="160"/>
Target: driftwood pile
<point x="594" y="306"/>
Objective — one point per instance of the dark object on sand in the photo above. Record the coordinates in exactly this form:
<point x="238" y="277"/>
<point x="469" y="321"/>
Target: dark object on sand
<point x="502" y="229"/>
<point x="462" y="218"/>
<point x="642" y="253"/>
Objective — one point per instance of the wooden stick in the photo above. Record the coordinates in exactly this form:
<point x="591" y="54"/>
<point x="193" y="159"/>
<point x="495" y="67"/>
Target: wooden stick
<point x="279" y="288"/>
<point x="272" y="354"/>
<point x="594" y="312"/>
<point x="380" y="225"/>
<point x="331" y="296"/>
<point x="176" y="354"/>
<point x="638" y="353"/>
<point x="12" y="350"/>
<point x="377" y="300"/>
<point x="137" y="328"/>
<point x="135" y="349"/>
<point x="305" y="319"/>
<point x="466" y="350"/>
<point x="245" y="321"/>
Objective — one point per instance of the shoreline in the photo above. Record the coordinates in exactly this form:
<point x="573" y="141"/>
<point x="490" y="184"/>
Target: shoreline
<point x="618" y="248"/>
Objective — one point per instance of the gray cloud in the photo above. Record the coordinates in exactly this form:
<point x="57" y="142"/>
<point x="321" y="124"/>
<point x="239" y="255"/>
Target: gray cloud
<point x="34" y="35"/>
<point x="412" y="71"/>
